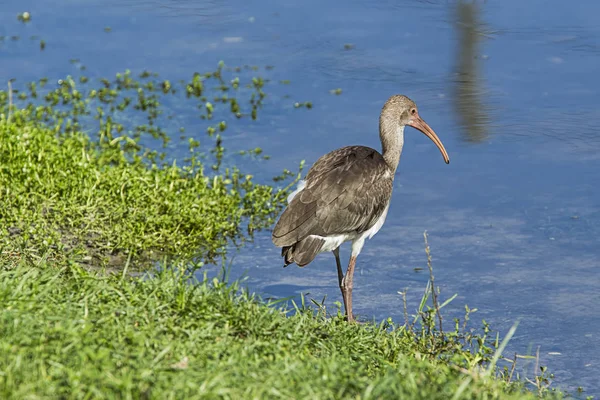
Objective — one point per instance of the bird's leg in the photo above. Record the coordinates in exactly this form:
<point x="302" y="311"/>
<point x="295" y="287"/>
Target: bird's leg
<point x="340" y="272"/>
<point x="336" y="253"/>
<point x="346" y="287"/>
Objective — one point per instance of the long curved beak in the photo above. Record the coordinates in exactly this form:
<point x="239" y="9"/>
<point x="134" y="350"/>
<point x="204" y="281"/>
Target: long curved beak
<point x="417" y="123"/>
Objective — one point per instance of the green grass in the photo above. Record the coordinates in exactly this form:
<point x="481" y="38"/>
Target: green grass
<point x="102" y="198"/>
<point x="70" y="333"/>
<point x="61" y="191"/>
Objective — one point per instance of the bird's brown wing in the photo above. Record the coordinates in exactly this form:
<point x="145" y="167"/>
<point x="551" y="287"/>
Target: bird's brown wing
<point x="345" y="191"/>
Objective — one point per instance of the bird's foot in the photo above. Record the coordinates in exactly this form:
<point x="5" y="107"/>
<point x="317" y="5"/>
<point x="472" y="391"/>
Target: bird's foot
<point x="353" y="320"/>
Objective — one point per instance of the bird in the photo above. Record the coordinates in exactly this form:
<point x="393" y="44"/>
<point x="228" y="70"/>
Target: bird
<point x="345" y="196"/>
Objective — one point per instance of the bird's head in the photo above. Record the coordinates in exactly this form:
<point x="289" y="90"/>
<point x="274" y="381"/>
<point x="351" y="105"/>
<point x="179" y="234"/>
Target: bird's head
<point x="402" y="111"/>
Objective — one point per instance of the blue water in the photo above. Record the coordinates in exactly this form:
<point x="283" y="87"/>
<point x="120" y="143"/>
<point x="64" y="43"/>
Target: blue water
<point x="510" y="87"/>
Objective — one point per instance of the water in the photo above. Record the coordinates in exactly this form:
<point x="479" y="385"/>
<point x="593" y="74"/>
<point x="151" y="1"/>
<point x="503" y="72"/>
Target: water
<point x="510" y="87"/>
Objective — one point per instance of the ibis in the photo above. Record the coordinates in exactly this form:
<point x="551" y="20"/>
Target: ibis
<point x="345" y="196"/>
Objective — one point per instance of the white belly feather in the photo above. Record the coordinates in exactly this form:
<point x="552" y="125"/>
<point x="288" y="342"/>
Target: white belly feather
<point x="334" y="241"/>
<point x="358" y="239"/>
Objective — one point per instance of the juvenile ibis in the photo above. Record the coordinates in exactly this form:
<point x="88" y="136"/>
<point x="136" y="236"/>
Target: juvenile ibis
<point x="346" y="194"/>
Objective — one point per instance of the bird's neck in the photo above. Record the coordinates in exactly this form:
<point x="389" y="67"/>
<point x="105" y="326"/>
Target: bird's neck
<point x="392" y="140"/>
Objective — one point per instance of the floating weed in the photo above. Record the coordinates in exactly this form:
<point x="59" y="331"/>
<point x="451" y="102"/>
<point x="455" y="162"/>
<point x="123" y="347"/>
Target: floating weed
<point x="24" y="17"/>
<point x="306" y="104"/>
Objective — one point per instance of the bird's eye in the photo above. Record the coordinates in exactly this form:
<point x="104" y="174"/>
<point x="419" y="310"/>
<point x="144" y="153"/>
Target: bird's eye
<point x="413" y="111"/>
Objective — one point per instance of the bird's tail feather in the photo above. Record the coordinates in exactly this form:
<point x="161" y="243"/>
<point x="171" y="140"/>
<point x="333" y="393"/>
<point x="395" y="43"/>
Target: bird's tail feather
<point x="302" y="252"/>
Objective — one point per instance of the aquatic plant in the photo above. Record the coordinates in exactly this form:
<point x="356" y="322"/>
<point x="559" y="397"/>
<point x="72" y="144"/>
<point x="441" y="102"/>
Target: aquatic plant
<point x="86" y="172"/>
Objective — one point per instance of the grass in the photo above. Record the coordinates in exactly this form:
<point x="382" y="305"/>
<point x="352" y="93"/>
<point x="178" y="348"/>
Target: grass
<point x="103" y="198"/>
<point x="68" y="332"/>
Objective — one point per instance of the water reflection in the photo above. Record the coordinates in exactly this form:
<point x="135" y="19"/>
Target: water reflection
<point x="468" y="93"/>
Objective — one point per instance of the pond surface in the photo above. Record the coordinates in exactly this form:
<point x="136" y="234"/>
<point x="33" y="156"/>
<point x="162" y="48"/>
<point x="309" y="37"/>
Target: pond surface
<point x="511" y="88"/>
